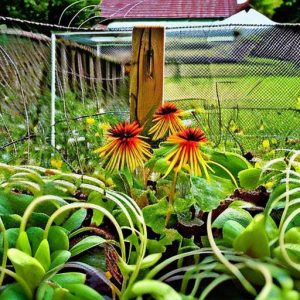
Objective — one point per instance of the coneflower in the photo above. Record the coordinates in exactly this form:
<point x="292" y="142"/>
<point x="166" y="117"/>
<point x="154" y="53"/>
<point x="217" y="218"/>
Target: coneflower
<point x="185" y="152"/>
<point x="125" y="147"/>
<point x="166" y="120"/>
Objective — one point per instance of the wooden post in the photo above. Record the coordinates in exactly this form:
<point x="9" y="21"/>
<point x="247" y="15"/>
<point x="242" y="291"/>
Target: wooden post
<point x="74" y="71"/>
<point x="114" y="79"/>
<point x="64" y="67"/>
<point x="81" y="75"/>
<point x="147" y="72"/>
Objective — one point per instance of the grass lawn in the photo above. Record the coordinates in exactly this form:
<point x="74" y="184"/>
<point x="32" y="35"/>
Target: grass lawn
<point x="253" y="107"/>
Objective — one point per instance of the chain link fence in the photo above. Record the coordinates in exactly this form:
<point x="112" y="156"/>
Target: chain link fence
<point x="240" y="82"/>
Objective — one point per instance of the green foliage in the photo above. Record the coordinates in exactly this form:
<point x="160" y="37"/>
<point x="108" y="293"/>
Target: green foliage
<point x="209" y="193"/>
<point x="49" y="11"/>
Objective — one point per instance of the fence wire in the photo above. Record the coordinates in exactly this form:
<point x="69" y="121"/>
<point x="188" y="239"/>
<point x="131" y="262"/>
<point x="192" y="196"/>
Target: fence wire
<point x="243" y="80"/>
<point x="241" y="83"/>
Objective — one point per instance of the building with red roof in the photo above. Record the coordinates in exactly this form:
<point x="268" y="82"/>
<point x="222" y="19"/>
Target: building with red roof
<point x="171" y="9"/>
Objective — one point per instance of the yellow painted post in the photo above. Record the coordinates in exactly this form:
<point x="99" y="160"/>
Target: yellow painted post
<point x="147" y="72"/>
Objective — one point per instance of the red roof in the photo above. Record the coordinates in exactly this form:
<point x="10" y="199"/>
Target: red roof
<point x="179" y="9"/>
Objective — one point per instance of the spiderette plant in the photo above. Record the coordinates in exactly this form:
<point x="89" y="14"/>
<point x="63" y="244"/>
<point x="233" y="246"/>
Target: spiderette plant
<point x="130" y="265"/>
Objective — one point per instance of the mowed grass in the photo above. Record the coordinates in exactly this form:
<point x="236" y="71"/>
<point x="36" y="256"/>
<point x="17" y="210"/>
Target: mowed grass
<point x="253" y="107"/>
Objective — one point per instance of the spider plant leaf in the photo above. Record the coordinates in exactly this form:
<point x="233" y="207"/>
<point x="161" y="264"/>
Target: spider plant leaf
<point x="86" y="244"/>
<point x="75" y="220"/>
<point x="59" y="257"/>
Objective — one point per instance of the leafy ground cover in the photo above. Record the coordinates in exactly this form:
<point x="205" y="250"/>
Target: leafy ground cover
<point x="162" y="217"/>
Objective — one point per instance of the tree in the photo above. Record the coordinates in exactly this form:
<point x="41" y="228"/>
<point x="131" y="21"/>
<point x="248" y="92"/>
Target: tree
<point x="266" y="7"/>
<point x="49" y="11"/>
<point x="288" y="12"/>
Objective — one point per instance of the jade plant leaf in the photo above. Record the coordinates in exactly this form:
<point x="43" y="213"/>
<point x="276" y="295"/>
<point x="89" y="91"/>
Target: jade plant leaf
<point x="209" y="193"/>
<point x="27" y="267"/>
<point x="86" y="244"/>
<point x="254" y="241"/>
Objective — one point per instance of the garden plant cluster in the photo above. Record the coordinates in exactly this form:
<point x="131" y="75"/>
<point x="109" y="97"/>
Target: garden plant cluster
<point x="165" y="215"/>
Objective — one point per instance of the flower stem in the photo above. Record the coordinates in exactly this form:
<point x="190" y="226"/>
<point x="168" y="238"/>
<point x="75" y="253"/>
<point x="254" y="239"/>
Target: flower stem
<point x="171" y="199"/>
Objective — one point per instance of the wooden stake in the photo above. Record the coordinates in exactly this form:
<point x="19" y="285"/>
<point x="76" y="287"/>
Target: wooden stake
<point x="147" y="72"/>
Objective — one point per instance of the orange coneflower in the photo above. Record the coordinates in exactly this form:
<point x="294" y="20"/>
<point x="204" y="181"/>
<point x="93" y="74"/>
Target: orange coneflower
<point x="125" y="147"/>
<point x="186" y="152"/>
<point x="166" y="119"/>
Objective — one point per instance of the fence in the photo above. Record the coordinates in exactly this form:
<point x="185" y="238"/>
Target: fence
<point x="241" y="82"/>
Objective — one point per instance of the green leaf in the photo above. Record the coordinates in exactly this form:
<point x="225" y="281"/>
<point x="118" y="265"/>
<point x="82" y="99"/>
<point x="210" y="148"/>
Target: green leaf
<point x="183" y="205"/>
<point x="75" y="220"/>
<point x="58" y="239"/>
<point x="23" y="243"/>
<point x="11" y="221"/>
<point x="249" y="178"/>
<point x="43" y="254"/>
<point x="155" y="215"/>
<point x="69" y="278"/>
<point x="237" y="214"/>
<point x="35" y="236"/>
<point x="233" y="162"/>
<point x="161" y="166"/>
<point x="38" y="220"/>
<point x="12" y="236"/>
<point x="44" y="292"/>
<point x="293" y="251"/>
<point x="292" y="236"/>
<point x="254" y="241"/>
<point x="59" y="257"/>
<point x="15" y="203"/>
<point x="27" y="267"/>
<point x="13" y="291"/>
<point x="86" y="244"/>
<point x="97" y="198"/>
<point x="208" y="194"/>
<point x="83" y="292"/>
<point x="231" y="230"/>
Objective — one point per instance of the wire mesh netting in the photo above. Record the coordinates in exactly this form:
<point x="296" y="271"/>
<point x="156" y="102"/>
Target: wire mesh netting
<point x="241" y="83"/>
<point x="244" y="79"/>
